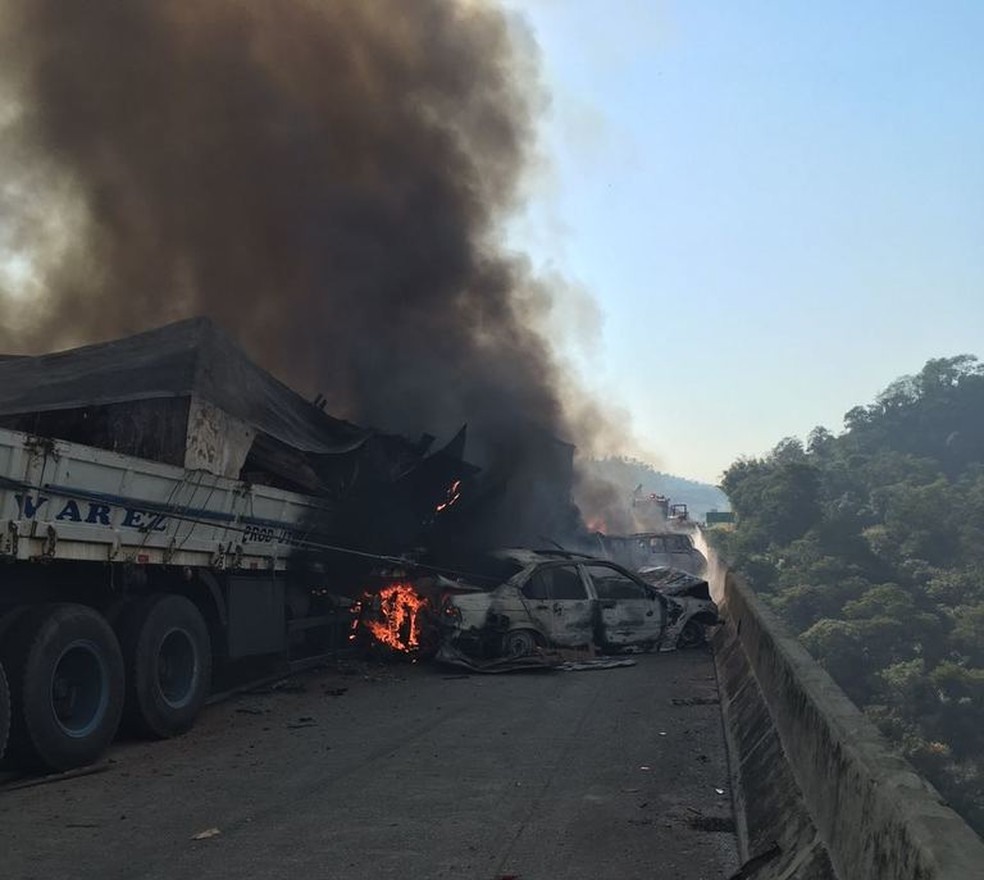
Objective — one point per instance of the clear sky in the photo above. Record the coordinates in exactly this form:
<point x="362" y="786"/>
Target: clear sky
<point x="778" y="206"/>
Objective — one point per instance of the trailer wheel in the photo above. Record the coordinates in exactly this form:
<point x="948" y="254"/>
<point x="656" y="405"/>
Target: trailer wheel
<point x="168" y="657"/>
<point x="4" y="712"/>
<point x="66" y="686"/>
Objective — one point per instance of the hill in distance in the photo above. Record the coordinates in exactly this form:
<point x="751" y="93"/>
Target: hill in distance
<point x="628" y="473"/>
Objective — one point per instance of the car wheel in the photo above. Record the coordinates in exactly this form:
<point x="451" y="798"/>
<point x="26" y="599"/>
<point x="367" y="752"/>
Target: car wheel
<point x="168" y="657"/>
<point x="691" y="636"/>
<point x="519" y="643"/>
<point x="66" y="686"/>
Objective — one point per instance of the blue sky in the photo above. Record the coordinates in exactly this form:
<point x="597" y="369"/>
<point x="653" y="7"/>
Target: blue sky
<point x="777" y="206"/>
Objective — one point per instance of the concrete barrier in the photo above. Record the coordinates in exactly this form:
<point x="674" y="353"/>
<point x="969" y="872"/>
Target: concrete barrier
<point x="819" y="794"/>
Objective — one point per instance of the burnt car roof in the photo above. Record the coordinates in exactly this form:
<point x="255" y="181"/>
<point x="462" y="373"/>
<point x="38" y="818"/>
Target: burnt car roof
<point x="525" y="556"/>
<point x="635" y="536"/>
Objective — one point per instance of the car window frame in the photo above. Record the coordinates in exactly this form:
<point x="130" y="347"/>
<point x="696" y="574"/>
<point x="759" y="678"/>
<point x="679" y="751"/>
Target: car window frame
<point x="649" y="590"/>
<point x="588" y="593"/>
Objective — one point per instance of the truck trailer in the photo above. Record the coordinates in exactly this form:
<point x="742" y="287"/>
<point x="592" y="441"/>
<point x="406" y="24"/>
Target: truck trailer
<point x="170" y="512"/>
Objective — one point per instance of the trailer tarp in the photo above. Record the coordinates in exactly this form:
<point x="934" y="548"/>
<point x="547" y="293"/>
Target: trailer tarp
<point x="191" y="357"/>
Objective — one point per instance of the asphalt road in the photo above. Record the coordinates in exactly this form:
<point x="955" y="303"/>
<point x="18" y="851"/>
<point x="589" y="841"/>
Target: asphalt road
<point x="407" y="772"/>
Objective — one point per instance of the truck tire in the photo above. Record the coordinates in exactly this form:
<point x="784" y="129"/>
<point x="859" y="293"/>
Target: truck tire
<point x="168" y="657"/>
<point x="65" y="673"/>
<point x="4" y="712"/>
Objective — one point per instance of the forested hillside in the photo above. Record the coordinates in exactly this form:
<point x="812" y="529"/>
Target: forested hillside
<point x="870" y="545"/>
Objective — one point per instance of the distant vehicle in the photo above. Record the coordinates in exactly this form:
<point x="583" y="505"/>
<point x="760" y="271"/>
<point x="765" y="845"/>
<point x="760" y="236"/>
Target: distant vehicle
<point x="650" y="549"/>
<point x="567" y="600"/>
<point x="651" y="502"/>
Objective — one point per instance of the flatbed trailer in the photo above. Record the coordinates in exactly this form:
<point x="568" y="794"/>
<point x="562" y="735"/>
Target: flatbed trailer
<point x="124" y="581"/>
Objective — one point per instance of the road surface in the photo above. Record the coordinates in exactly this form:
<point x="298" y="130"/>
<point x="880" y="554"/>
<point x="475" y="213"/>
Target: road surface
<point x="407" y="772"/>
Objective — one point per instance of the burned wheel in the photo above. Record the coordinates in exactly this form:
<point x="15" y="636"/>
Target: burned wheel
<point x="168" y="657"/>
<point x="519" y="643"/>
<point x="692" y="635"/>
<point x="4" y="712"/>
<point x="66" y="686"/>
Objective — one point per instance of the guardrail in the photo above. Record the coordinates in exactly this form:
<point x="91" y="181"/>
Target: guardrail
<point x="819" y="793"/>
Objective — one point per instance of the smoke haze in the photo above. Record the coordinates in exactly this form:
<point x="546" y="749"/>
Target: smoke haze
<point x="327" y="180"/>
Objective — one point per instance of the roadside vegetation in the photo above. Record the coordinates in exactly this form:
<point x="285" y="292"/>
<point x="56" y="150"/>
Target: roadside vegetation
<point x="870" y="545"/>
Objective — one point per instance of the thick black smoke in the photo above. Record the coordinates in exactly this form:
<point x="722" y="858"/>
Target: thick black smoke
<point x="328" y="179"/>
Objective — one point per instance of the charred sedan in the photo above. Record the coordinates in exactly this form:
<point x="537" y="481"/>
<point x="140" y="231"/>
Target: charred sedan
<point x="690" y="607"/>
<point x="564" y="600"/>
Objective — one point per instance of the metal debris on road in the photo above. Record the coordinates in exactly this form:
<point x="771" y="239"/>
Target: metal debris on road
<point x="206" y="834"/>
<point x="600" y="663"/>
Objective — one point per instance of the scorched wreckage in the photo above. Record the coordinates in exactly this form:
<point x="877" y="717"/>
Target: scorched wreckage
<point x="170" y="512"/>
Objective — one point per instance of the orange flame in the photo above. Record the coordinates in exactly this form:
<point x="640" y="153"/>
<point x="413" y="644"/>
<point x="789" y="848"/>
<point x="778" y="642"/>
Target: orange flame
<point x="395" y="619"/>
<point x="597" y="525"/>
<point x="454" y="493"/>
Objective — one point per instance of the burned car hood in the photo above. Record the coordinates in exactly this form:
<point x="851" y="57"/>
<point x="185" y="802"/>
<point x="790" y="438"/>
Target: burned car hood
<point x="674" y="582"/>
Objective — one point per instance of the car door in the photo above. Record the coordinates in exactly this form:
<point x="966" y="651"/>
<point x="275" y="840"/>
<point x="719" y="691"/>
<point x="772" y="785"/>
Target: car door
<point x="558" y="602"/>
<point x="631" y="613"/>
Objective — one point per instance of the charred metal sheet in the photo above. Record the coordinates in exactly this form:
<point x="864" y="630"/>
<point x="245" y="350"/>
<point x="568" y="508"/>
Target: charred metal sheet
<point x="597" y="663"/>
<point x="453" y="657"/>
<point x="217" y="442"/>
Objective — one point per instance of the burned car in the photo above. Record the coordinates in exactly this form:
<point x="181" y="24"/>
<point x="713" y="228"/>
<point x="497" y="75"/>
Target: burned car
<point x="567" y="600"/>
<point x="690" y="601"/>
<point x="649" y="549"/>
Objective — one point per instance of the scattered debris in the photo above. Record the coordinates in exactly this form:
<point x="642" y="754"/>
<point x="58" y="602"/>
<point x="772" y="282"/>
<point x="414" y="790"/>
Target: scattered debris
<point x="77" y="773"/>
<point x="288" y="686"/>
<point x="453" y="657"/>
<point x="305" y="721"/>
<point x="600" y="663"/>
<point x="281" y="686"/>
<point x="695" y="701"/>
<point x="207" y="834"/>
<point x="719" y="790"/>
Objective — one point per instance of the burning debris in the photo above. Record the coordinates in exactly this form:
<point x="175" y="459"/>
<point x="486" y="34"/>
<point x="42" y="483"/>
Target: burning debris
<point x="395" y="617"/>
<point x="454" y="493"/>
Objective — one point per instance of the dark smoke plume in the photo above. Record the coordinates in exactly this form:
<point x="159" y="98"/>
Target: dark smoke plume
<point x="327" y="179"/>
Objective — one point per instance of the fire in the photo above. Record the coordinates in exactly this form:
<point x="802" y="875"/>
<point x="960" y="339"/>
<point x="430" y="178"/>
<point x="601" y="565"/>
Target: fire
<point x="597" y="524"/>
<point x="454" y="493"/>
<point x="393" y="617"/>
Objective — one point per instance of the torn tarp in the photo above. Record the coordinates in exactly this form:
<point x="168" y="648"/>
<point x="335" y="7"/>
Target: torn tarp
<point x="187" y="395"/>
